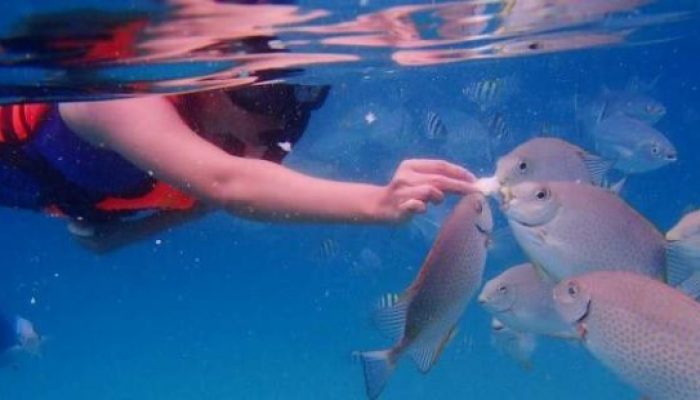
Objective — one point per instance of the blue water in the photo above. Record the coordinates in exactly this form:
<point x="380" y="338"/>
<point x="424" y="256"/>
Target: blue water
<point x="225" y="308"/>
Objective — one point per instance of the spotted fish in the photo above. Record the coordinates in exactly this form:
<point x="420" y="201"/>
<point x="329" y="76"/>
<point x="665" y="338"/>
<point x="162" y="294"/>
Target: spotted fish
<point x="645" y="331"/>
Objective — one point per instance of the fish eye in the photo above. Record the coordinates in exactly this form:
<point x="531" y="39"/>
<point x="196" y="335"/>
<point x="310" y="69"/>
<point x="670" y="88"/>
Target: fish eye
<point x="572" y="290"/>
<point x="655" y="149"/>
<point x="542" y="194"/>
<point x="503" y="289"/>
<point x="522" y="166"/>
<point x="479" y="207"/>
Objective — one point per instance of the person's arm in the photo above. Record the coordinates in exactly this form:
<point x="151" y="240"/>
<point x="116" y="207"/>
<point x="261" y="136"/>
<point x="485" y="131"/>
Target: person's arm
<point x="149" y="132"/>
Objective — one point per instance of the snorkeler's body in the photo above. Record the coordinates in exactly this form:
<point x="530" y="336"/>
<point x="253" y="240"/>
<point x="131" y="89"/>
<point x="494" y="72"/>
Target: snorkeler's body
<point x="144" y="164"/>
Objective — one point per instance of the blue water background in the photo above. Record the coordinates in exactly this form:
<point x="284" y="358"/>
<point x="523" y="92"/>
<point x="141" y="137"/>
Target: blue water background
<point x="228" y="309"/>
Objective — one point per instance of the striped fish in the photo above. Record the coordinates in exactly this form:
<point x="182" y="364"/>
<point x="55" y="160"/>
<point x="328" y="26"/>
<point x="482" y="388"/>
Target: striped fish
<point x="423" y="319"/>
<point x="434" y="127"/>
<point x="498" y="127"/>
<point x="488" y="93"/>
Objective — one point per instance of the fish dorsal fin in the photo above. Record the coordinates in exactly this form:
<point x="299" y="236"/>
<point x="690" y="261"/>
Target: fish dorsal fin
<point x="390" y="317"/>
<point x="426" y="356"/>
<point x="597" y="166"/>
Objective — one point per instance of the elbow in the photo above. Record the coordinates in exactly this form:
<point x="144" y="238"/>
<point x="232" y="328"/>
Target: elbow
<point x="228" y="188"/>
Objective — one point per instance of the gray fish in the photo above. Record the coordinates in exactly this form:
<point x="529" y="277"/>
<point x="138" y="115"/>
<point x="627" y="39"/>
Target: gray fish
<point x="568" y="229"/>
<point x="645" y="331"/>
<point x="522" y="299"/>
<point x="550" y="159"/>
<point x="423" y="319"/>
<point x="517" y="345"/>
<point x="632" y="145"/>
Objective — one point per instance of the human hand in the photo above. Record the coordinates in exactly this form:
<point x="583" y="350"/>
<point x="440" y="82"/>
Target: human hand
<point x="418" y="182"/>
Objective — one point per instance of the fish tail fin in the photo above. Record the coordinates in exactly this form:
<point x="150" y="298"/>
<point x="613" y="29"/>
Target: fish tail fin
<point x="378" y="367"/>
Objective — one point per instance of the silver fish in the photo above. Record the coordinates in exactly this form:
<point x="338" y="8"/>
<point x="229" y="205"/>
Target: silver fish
<point x="522" y="299"/>
<point x="423" y="319"/>
<point x="517" y="345"/>
<point x="568" y="229"/>
<point x="550" y="159"/>
<point x="645" y="331"/>
<point x="632" y="145"/>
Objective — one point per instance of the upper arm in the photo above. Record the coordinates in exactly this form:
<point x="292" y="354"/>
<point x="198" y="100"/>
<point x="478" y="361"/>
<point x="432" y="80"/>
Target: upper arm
<point x="149" y="132"/>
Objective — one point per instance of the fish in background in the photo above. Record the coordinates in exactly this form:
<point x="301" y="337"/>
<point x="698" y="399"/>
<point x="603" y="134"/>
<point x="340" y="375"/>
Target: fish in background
<point x="423" y="319"/>
<point x="620" y="123"/>
<point x="569" y="228"/>
<point x="491" y="92"/>
<point x="645" y="331"/>
<point x="633" y="101"/>
<point x="521" y="299"/>
<point x="434" y="128"/>
<point x="517" y="345"/>
<point x="632" y="145"/>
<point x="469" y="140"/>
<point x="18" y="337"/>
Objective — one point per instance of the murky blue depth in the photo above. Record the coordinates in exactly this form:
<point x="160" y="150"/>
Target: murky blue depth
<point x="226" y="308"/>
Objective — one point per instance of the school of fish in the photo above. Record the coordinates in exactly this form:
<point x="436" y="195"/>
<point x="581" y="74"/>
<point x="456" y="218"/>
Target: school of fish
<point x="598" y="272"/>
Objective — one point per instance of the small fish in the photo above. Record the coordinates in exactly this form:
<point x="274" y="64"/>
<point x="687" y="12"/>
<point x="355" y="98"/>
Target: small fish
<point x="423" y="319"/>
<point x="517" y="345"/>
<point x="550" y="159"/>
<point x="522" y="299"/>
<point x="435" y="129"/>
<point x="683" y="254"/>
<point x="569" y="228"/>
<point x="632" y="103"/>
<point x="645" y="331"/>
<point x="632" y="145"/>
<point x="328" y="250"/>
<point x="488" y="92"/>
<point x="497" y="126"/>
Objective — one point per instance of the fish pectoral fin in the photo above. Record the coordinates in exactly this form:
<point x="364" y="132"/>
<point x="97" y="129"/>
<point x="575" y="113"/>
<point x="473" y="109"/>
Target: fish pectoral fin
<point x="425" y="357"/>
<point x="597" y="166"/>
<point x="390" y="317"/>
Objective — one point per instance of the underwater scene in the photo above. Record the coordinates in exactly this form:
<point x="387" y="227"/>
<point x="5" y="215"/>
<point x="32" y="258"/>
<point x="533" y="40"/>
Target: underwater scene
<point x="221" y="199"/>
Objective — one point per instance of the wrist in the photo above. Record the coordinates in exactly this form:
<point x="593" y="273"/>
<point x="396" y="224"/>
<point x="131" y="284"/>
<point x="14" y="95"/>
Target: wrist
<point x="377" y="207"/>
